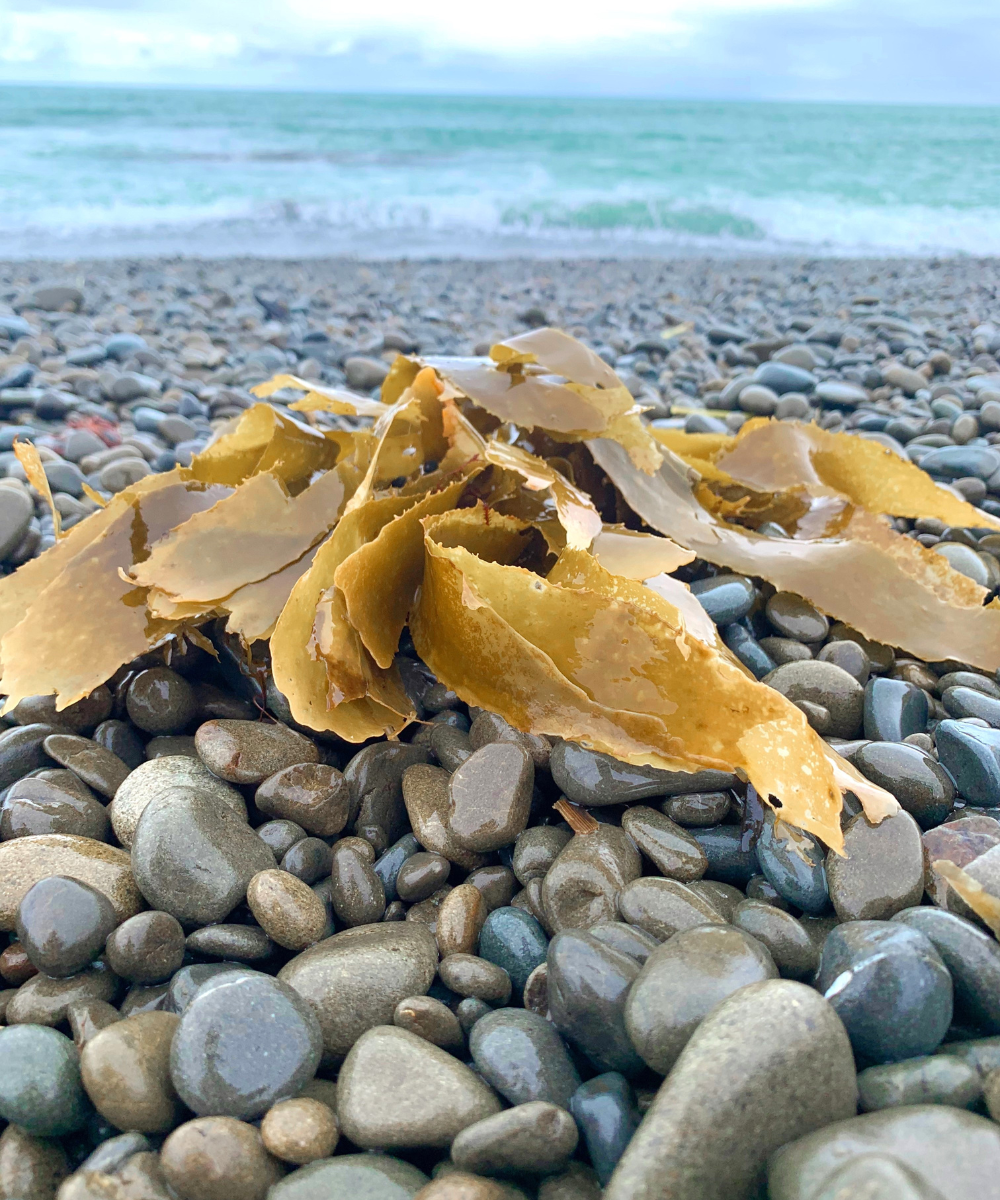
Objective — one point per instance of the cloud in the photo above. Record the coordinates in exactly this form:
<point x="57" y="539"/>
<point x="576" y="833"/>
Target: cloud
<point x="905" y="50"/>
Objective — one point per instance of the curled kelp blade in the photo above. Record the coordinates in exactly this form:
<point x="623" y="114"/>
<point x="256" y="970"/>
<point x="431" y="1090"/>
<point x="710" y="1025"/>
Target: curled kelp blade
<point x="95" y="616"/>
<point x="29" y="458"/>
<point x="983" y="903"/>
<point x="638" y="555"/>
<point x="886" y="586"/>
<point x="262" y="439"/>
<point x="206" y="559"/>
<point x="604" y="661"/>
<point x="319" y="398"/>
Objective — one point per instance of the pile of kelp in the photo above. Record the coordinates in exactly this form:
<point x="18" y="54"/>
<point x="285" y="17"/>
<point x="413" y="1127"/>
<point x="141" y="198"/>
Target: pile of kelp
<point x="519" y="516"/>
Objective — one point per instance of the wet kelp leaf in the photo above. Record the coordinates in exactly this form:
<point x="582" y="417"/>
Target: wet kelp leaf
<point x="206" y="559"/>
<point x="608" y="662"/>
<point x="319" y="398"/>
<point x="254" y="608"/>
<point x="262" y="439"/>
<point x="95" y="618"/>
<point x="983" y="903"/>
<point x="637" y="555"/>
<point x="888" y="587"/>
<point x="549" y="380"/>
<point x="31" y="460"/>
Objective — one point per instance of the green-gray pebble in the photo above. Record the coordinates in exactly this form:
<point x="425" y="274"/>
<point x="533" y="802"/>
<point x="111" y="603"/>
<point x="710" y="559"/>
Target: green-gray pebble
<point x="523" y="1057"/>
<point x="933" y="1079"/>
<point x="40" y="1086"/>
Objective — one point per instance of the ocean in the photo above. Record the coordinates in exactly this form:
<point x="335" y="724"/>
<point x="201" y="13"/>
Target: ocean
<point x="95" y="172"/>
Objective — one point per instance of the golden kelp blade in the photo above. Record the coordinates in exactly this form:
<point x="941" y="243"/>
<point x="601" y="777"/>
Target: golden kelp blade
<point x="97" y="621"/>
<point x="262" y="439"/>
<point x="773" y="455"/>
<point x="636" y="555"/>
<point x="321" y="399"/>
<point x="254" y="608"/>
<point x="209" y="557"/>
<point x="983" y="903"/>
<point x="30" y="459"/>
<point x="888" y="587"/>
<point x="595" y="658"/>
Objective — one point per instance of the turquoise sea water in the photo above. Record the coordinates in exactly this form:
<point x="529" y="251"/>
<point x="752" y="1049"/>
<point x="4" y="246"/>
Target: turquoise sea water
<point x="96" y="171"/>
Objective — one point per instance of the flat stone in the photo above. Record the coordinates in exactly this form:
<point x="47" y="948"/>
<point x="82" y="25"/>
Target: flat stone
<point x="581" y="887"/>
<point x="126" y="1071"/>
<point x="244" y="1042"/>
<point x="213" y="1157"/>
<point x="960" y="462"/>
<point x="536" y="1138"/>
<point x="594" y="779"/>
<point x="796" y="618"/>
<point x="194" y="858"/>
<point x="934" y="1079"/>
<point x="37" y="806"/>
<point x="794" y="953"/>
<point x="664" y="907"/>
<point x="673" y="851"/>
<point x="515" y="941"/>
<point x="588" y="984"/>
<point x="682" y="981"/>
<point x="147" y="948"/>
<point x="396" y="1090"/>
<point x="95" y="765"/>
<point x="920" y="784"/>
<point x="890" y="988"/>
<point x="162" y="776"/>
<point x="971" y="755"/>
<point x="427" y="796"/>
<point x="942" y="1153"/>
<point x="313" y="795"/>
<point x="491" y="797"/>
<point x="469" y="975"/>
<point x="245" y="943"/>
<point x="40" y="1088"/>
<point x="523" y="1057"/>
<point x="63" y="924"/>
<point x="355" y="979"/>
<point x="22" y="751"/>
<point x="825" y="684"/>
<point x="250" y="751"/>
<point x="882" y="871"/>
<point x="360" y="1176"/>
<point x="26" y="860"/>
<point x="287" y="910"/>
<point x="45" y="1001"/>
<point x="636" y="943"/>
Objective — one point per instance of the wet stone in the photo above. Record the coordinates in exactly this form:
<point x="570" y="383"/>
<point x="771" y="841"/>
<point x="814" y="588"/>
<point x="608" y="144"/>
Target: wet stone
<point x="112" y="1154"/>
<point x="451" y="746"/>
<point x="147" y="948"/>
<point x="31" y="1168"/>
<point x="890" y="988"/>
<point x="826" y="685"/>
<point x="582" y="886"/>
<point x="40" y="1088"/>
<point x="726" y="598"/>
<point x="759" y="887"/>
<point x="245" y="943"/>
<point x="523" y="1057"/>
<point x="673" y="851"/>
<point x="21" y="751"/>
<point x="796" y="618"/>
<point x="969" y="679"/>
<point x="245" y="1041"/>
<point x="698" y="809"/>
<point x="421" y="875"/>
<point x="919" y="783"/>
<point x="63" y="925"/>
<point x="388" y="865"/>
<point x="961" y="841"/>
<point x="882" y="871"/>
<point x="663" y="907"/>
<point x="785" y="650"/>
<point x="496" y="885"/>
<point x="515" y="941"/>
<point x="287" y="910"/>
<point x="794" y="864"/>
<point x="355" y="979"/>
<point x="795" y="954"/>
<point x="121" y="739"/>
<point x="428" y="803"/>
<point x="357" y="892"/>
<point x="682" y="981"/>
<point x="95" y="765"/>
<point x="460" y="918"/>
<point x="588" y="777"/>
<point x="780" y="1065"/>
<point x="537" y="1138"/>
<point x="491" y="797"/>
<point x="46" y="1001"/>
<point x="88" y="1017"/>
<point x="396" y="1090"/>
<point x="186" y="983"/>
<point x="35" y="806"/>
<point x="309" y="859"/>
<point x="490" y="728"/>
<point x="536" y="850"/>
<point x="606" y="1112"/>
<point x="628" y="939"/>
<point x="250" y="751"/>
<point x="313" y="795"/>
<point x="893" y="710"/>
<point x="431" y="1020"/>
<point x="970" y="702"/>
<point x="588" y="984"/>
<point x="971" y="755"/>
<point x="536" y="991"/>
<point x="82" y="717"/>
<point x="280" y="836"/>
<point x="300" y="1131"/>
<point x="972" y="957"/>
<point x="141" y="999"/>
<point x="363" y="1176"/>
<point x="729" y="859"/>
<point x="849" y="656"/>
<point x="159" y="701"/>
<point x="376" y="772"/>
<point x="162" y="776"/>
<point x="216" y="1157"/>
<point x="194" y="858"/>
<point x="469" y="975"/>
<point x="937" y="1079"/>
<point x="176" y="746"/>
<point x="126" y="1071"/>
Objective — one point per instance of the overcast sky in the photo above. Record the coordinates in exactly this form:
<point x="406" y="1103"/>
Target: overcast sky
<point x="861" y="50"/>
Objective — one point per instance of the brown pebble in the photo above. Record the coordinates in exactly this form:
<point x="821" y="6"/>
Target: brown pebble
<point x="323" y="1090"/>
<point x="45" y="1001"/>
<point x="288" y="910"/>
<point x="250" y="751"/>
<point x="361" y="845"/>
<point x="497" y="884"/>
<point x="88" y="1017"/>
<point x="430" y="1019"/>
<point x="145" y="999"/>
<point x="245" y="943"/>
<point x="991" y="1094"/>
<point x="460" y="919"/>
<point x="395" y="910"/>
<point x="491" y="796"/>
<point x="15" y="965"/>
<point x="490" y="727"/>
<point x="358" y="894"/>
<point x="460" y="1185"/>
<point x="471" y="976"/>
<point x="147" y="948"/>
<point x="30" y="1168"/>
<point x="218" y="1158"/>
<point x="159" y="701"/>
<point x="427" y="910"/>
<point x="536" y="990"/>
<point x="421" y="875"/>
<point x="312" y="795"/>
<point x="96" y="766"/>
<point x="126" y="1072"/>
<point x="300" y="1131"/>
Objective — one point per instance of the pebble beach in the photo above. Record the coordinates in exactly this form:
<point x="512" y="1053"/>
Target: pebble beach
<point x="242" y="959"/>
